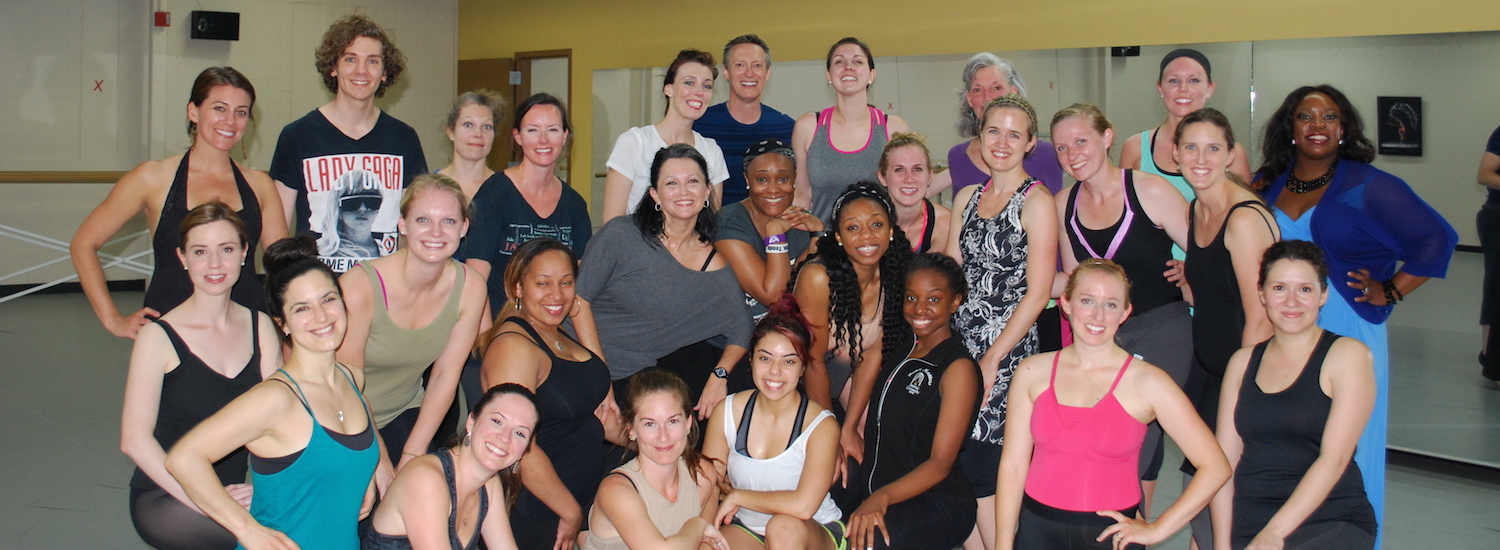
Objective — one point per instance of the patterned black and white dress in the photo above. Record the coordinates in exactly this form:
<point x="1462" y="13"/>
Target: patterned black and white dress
<point x="994" y="252"/>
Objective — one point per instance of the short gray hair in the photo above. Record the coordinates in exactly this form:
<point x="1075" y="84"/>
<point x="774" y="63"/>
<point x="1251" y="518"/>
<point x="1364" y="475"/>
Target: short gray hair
<point x="968" y="122"/>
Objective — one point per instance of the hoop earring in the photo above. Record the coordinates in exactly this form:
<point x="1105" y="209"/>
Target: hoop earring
<point x="658" y="207"/>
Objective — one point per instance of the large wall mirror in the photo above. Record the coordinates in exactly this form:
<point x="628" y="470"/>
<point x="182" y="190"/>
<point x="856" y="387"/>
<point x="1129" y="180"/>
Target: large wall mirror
<point x="1440" y="406"/>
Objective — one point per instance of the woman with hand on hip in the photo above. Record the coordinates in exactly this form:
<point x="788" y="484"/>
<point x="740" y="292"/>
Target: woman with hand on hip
<point x="219" y="112"/>
<point x="171" y="388"/>
<point x="1380" y="239"/>
<point x="1076" y="423"/>
<point x="313" y="483"/>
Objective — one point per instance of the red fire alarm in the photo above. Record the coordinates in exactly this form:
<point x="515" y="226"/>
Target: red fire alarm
<point x="163" y="19"/>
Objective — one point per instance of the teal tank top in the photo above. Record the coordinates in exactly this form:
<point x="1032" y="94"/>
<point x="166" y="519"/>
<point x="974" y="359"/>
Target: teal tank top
<point x="316" y="498"/>
<point x="1148" y="165"/>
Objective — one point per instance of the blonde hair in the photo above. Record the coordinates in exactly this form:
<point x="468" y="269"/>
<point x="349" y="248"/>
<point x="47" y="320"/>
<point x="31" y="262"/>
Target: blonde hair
<point x="903" y="139"/>
<point x="1087" y="111"/>
<point x="1097" y="265"/>
<point x="435" y="182"/>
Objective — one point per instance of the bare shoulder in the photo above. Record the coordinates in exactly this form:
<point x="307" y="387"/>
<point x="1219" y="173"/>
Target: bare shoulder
<point x="1032" y="370"/>
<point x="259" y="180"/>
<point x="420" y="482"/>
<point x="895" y="124"/>
<point x="1349" y="351"/>
<point x="1149" y="379"/>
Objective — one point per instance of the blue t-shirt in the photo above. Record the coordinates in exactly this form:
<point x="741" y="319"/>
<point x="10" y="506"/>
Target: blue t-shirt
<point x="735" y="138"/>
<point x="1493" y="147"/>
<point x="503" y="220"/>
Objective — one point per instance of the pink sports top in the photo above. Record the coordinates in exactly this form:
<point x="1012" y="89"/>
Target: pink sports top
<point x="1086" y="458"/>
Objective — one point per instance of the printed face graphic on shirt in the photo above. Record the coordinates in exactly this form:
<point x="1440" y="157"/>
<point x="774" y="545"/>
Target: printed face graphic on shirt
<point x="354" y="203"/>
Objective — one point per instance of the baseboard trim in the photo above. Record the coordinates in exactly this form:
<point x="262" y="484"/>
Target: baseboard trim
<point x="68" y="288"/>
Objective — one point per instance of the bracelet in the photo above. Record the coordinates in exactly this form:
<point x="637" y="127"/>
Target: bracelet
<point x="779" y="238"/>
<point x="1390" y="292"/>
<point x="409" y="454"/>
<point x="780" y="248"/>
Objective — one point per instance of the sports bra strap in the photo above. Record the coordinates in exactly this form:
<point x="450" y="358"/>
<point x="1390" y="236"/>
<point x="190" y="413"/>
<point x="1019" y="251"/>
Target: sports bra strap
<point x="627" y="478"/>
<point x="536" y="338"/>
<point x="1121" y="374"/>
<point x="296" y="390"/>
<point x="742" y="433"/>
<point x="711" y="253"/>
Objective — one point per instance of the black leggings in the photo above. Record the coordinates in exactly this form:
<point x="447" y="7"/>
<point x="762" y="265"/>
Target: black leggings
<point x="1332" y="535"/>
<point x="166" y="523"/>
<point x="1043" y="527"/>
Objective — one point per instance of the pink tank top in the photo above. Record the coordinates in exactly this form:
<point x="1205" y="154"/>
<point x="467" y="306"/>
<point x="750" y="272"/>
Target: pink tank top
<point x="1086" y="458"/>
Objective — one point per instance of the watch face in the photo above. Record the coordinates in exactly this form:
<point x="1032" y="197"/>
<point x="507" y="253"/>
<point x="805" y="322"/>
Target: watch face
<point x="720" y="372"/>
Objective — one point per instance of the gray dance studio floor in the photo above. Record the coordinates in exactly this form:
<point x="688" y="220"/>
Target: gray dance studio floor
<point x="64" y="479"/>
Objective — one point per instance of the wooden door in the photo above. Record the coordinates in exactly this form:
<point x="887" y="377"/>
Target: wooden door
<point x="493" y="75"/>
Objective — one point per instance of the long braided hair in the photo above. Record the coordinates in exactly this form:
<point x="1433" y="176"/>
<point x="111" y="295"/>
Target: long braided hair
<point x="845" y="306"/>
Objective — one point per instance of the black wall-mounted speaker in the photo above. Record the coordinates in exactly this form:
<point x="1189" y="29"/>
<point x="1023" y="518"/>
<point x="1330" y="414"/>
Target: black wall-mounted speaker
<point x="214" y="25"/>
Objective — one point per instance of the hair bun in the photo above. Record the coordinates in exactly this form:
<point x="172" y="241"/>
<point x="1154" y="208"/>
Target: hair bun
<point x="284" y="252"/>
<point x="787" y="306"/>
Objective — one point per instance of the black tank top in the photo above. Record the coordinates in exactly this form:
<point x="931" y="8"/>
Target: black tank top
<point x="170" y="285"/>
<point x="1142" y="248"/>
<point x="1218" y="313"/>
<point x="370" y="539"/>
<point x="193" y="392"/>
<point x="1283" y="435"/>
<point x="567" y="429"/>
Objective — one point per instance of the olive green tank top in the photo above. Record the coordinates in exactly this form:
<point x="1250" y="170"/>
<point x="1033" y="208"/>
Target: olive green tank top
<point x="395" y="357"/>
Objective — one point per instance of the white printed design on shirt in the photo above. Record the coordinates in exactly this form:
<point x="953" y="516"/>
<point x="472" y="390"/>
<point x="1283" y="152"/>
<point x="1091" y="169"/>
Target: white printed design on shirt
<point x="353" y="203"/>
<point x="919" y="378"/>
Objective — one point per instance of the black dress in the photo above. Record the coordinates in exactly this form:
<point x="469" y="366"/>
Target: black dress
<point x="1218" y="315"/>
<point x="170" y="284"/>
<point x="569" y="433"/>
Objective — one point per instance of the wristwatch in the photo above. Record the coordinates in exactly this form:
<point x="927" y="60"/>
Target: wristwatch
<point x="721" y="373"/>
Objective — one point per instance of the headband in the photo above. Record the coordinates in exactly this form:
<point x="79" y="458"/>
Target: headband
<point x="1195" y="55"/>
<point x="768" y="146"/>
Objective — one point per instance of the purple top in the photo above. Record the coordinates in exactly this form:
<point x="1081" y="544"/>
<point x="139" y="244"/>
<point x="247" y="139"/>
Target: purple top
<point x="1369" y="219"/>
<point x="1041" y="164"/>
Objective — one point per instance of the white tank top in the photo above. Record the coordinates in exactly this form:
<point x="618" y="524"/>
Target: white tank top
<point x="778" y="473"/>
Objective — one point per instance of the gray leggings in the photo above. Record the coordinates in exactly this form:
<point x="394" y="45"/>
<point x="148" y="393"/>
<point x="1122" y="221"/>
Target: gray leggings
<point x="1162" y="337"/>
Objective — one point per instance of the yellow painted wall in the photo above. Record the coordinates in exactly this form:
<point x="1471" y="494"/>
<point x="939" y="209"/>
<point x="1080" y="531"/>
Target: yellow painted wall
<point x="614" y="33"/>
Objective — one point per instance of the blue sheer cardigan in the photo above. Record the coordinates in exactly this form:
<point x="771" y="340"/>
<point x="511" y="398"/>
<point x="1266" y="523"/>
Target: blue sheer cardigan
<point x="1370" y="219"/>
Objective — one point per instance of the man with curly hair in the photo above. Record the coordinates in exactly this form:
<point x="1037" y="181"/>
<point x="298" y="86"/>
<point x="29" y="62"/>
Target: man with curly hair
<point x="349" y="142"/>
